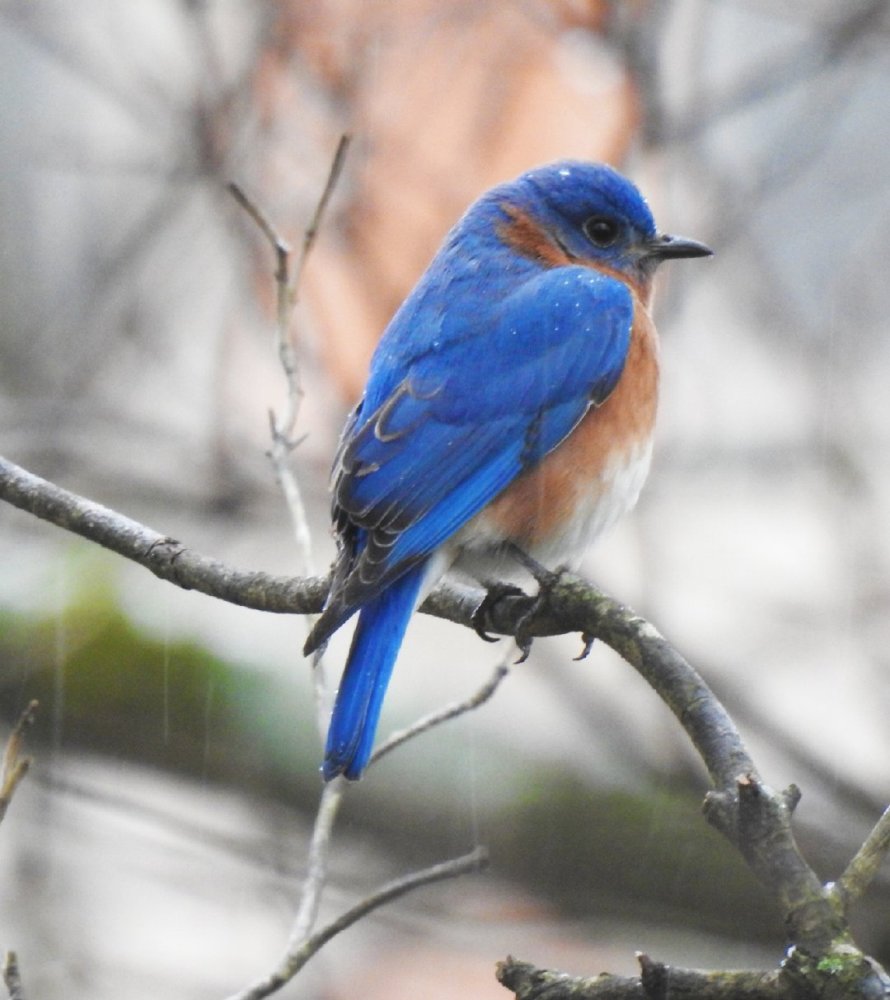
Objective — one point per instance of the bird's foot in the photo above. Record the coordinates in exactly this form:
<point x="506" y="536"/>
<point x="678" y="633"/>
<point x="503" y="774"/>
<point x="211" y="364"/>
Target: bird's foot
<point x="548" y="580"/>
<point x="494" y="594"/>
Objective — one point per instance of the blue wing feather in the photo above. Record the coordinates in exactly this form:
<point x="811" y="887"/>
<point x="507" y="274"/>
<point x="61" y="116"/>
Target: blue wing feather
<point x="560" y="341"/>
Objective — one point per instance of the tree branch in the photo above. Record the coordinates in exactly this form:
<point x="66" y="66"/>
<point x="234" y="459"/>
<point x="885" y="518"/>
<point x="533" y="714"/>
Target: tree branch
<point x="864" y="866"/>
<point x="167" y="558"/>
<point x="844" y="974"/>
<point x="300" y="953"/>
<point x="283" y="428"/>
<point x="753" y="817"/>
<point x="656" y="982"/>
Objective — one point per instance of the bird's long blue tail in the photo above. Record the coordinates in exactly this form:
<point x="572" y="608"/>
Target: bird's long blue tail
<point x="375" y="645"/>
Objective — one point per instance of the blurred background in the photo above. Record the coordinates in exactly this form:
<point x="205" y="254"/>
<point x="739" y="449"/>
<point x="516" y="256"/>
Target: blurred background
<point x="158" y="844"/>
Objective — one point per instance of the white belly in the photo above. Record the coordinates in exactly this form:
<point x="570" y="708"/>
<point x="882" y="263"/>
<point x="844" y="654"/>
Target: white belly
<point x="609" y="495"/>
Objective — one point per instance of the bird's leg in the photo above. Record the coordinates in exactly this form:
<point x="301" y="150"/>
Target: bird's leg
<point x="547" y="581"/>
<point x="544" y="576"/>
<point x="497" y="591"/>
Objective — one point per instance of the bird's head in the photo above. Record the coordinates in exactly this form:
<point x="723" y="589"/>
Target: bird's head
<point x="573" y="212"/>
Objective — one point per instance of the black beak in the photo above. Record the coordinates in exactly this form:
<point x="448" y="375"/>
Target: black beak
<point x="663" y="247"/>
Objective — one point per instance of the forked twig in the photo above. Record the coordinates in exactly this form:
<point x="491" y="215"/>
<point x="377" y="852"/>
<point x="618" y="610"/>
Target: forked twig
<point x="302" y="945"/>
<point x="283" y="427"/>
<point x="311" y="232"/>
<point x="296" y="958"/>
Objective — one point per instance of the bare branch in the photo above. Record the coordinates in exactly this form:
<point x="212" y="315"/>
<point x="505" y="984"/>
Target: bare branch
<point x="15" y="767"/>
<point x="319" y="850"/>
<point x="842" y="974"/>
<point x="868" y="859"/>
<point x="444" y="714"/>
<point x="656" y="980"/>
<point x="282" y="429"/>
<point x="296" y="958"/>
<point x="741" y="806"/>
<point x="167" y="558"/>
<point x="312" y="229"/>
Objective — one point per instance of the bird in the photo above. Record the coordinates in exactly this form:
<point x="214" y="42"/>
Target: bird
<point x="510" y="403"/>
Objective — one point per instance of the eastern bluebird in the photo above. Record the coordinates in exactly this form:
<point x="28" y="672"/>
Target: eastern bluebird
<point x="511" y="401"/>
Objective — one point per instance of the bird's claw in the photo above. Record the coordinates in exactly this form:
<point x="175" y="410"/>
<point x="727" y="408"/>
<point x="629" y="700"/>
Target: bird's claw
<point x="588" y="639"/>
<point x="547" y="581"/>
<point x="523" y="635"/>
<point x="523" y="639"/>
<point x="494" y="594"/>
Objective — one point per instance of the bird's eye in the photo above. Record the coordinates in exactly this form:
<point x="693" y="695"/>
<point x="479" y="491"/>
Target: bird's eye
<point x="602" y="232"/>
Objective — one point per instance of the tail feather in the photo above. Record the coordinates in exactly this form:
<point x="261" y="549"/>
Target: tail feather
<point x="375" y="645"/>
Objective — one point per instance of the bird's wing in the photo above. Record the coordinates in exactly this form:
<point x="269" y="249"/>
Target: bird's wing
<point x="494" y="392"/>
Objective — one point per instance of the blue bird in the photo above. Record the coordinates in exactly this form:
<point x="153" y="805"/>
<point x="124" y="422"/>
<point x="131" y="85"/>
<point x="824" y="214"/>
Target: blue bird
<point x="510" y="401"/>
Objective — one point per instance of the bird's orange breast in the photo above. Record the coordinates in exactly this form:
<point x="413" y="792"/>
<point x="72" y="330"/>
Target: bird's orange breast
<point x="591" y="474"/>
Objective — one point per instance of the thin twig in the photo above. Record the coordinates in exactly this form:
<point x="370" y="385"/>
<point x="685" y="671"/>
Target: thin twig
<point x="862" y="869"/>
<point x="311" y="233"/>
<point x="332" y="796"/>
<point x="444" y="714"/>
<point x="317" y="869"/>
<point x="15" y="767"/>
<point x="12" y="976"/>
<point x="259" y="217"/>
<point x="296" y="958"/>
<point x="282" y="428"/>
